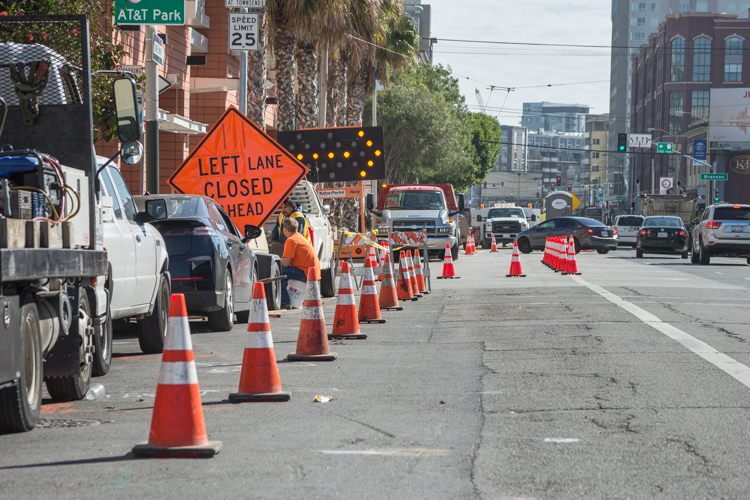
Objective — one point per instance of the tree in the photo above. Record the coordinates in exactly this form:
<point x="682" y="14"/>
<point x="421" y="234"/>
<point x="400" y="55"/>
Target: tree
<point x="486" y="138"/>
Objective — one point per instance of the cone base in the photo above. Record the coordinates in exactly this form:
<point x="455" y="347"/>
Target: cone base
<point x="207" y="450"/>
<point x="413" y="299"/>
<point x="571" y="274"/>
<point x="515" y="275"/>
<point x="373" y="321"/>
<point x="331" y="356"/>
<point x="353" y="336"/>
<point x="418" y="295"/>
<point x="399" y="308"/>
<point x="238" y="397"/>
<point x="449" y="277"/>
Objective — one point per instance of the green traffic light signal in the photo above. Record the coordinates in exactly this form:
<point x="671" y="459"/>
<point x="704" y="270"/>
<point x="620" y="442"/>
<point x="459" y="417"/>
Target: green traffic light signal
<point x="622" y="142"/>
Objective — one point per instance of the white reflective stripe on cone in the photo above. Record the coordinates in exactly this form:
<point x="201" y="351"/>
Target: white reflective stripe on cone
<point x="259" y="340"/>
<point x="312" y="313"/>
<point x="178" y="373"/>
<point x="387" y="282"/>
<point x="312" y="291"/>
<point x="369" y="275"/>
<point x="259" y="312"/>
<point x="345" y="282"/>
<point x="345" y="299"/>
<point x="178" y="334"/>
<point x="369" y="290"/>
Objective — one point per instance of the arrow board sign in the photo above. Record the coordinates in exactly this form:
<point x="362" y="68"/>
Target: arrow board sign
<point x="163" y="84"/>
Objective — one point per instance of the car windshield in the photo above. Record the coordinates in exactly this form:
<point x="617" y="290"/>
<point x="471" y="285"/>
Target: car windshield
<point x="415" y="200"/>
<point x="505" y="212"/>
<point x="630" y="221"/>
<point x="731" y="213"/>
<point x="662" y="222"/>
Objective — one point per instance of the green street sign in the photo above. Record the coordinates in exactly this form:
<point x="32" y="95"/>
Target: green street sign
<point x="170" y="12"/>
<point x="714" y="177"/>
<point x="622" y="198"/>
<point x="664" y="147"/>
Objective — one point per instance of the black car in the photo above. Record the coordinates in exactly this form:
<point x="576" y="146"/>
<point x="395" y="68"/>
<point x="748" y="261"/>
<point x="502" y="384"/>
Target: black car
<point x="209" y="259"/>
<point x="662" y="234"/>
<point x="587" y="234"/>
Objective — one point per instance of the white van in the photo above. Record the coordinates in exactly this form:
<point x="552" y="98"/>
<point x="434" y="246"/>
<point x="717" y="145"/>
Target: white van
<point x="627" y="227"/>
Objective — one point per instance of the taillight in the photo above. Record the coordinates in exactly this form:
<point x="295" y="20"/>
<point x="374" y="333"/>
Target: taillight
<point x="645" y="232"/>
<point x="713" y="225"/>
<point x="590" y="231"/>
<point x="681" y="233"/>
<point x="615" y="233"/>
<point x="203" y="231"/>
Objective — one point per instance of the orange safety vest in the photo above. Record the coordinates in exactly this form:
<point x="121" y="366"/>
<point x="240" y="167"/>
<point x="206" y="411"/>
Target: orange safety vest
<point x="295" y="215"/>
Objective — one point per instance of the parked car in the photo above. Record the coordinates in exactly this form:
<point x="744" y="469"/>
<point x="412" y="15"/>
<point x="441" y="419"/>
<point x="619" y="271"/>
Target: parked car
<point x="662" y="235"/>
<point x="587" y="234"/>
<point x="210" y="261"/>
<point x="723" y="230"/>
<point x="627" y="227"/>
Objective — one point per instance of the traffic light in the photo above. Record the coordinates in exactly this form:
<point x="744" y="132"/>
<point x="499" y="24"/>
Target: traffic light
<point x="552" y="185"/>
<point x="569" y="186"/>
<point x="622" y="142"/>
<point x="716" y="196"/>
<point x="338" y="154"/>
<point x="558" y="180"/>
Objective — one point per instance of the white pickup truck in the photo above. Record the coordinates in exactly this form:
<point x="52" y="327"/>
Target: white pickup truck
<point x="306" y="197"/>
<point x="505" y="221"/>
<point x="137" y="280"/>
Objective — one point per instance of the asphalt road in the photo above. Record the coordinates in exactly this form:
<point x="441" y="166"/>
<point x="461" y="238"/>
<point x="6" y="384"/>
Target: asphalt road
<point x="629" y="381"/>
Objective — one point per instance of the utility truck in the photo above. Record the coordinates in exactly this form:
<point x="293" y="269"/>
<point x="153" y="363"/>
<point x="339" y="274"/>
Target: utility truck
<point x="54" y="305"/>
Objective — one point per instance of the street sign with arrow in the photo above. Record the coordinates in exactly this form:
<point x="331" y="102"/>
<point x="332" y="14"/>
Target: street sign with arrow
<point x="163" y="84"/>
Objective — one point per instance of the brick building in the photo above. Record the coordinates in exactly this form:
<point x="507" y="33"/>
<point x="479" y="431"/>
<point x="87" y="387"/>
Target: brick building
<point x="202" y="93"/>
<point x="672" y="78"/>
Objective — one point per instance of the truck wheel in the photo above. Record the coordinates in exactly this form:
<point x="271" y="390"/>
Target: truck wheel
<point x="327" y="288"/>
<point x="273" y="290"/>
<point x="223" y="319"/>
<point x="73" y="387"/>
<point x="152" y="330"/>
<point x="20" y="405"/>
<point x="103" y="345"/>
<point x="454" y="252"/>
<point x="486" y="244"/>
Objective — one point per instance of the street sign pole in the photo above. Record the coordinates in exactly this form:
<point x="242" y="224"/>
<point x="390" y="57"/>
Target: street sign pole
<point x="243" y="78"/>
<point x="152" y="114"/>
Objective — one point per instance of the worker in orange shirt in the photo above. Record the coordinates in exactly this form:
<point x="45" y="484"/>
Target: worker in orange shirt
<point x="299" y="256"/>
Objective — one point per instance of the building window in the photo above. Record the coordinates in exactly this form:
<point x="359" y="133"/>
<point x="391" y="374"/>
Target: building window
<point x="699" y="104"/>
<point x="639" y="37"/>
<point x="732" y="72"/>
<point x="654" y="7"/>
<point x="639" y="6"/>
<point x="638" y="21"/>
<point x="683" y="7"/>
<point x="595" y="142"/>
<point x="733" y="59"/>
<point x="654" y="21"/>
<point x="678" y="59"/>
<point x="595" y="154"/>
<point x="675" y="111"/>
<point x="702" y="59"/>
<point x="701" y="7"/>
<point x="744" y="7"/>
<point x="731" y="7"/>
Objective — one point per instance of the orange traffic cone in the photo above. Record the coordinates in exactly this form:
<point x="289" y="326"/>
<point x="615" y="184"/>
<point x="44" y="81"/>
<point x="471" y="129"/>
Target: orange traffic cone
<point x="515" y="264"/>
<point x="448" y="271"/>
<point x="404" y="282"/>
<point x="572" y="267"/>
<point x="312" y="343"/>
<point x="259" y="380"/>
<point x="555" y="253"/>
<point x="388" y="293"/>
<point x="177" y="426"/>
<point x="372" y="257"/>
<point x="473" y="246"/>
<point x="545" y="256"/>
<point x="383" y="252"/>
<point x="493" y="248"/>
<point x="413" y="276"/>
<point x="419" y="272"/>
<point x="345" y="322"/>
<point x="369" y="308"/>
<point x="563" y="263"/>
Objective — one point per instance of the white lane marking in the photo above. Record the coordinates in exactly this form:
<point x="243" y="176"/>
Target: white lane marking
<point x="721" y="361"/>
<point x="561" y="440"/>
<point x="396" y="452"/>
<point x="717" y="272"/>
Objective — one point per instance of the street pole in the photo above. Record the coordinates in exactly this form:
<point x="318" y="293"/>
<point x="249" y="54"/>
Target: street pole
<point x="152" y="114"/>
<point x="243" y="77"/>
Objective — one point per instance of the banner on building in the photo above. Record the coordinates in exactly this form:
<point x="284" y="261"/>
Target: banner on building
<point x="729" y="112"/>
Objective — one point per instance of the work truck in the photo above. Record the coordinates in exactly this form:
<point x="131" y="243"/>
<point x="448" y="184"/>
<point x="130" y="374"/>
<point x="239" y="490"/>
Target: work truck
<point x="505" y="221"/>
<point x="432" y="208"/>
<point x="54" y="305"/>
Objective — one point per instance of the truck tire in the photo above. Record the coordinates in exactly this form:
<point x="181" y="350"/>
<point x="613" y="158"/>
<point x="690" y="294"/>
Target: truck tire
<point x="20" y="405"/>
<point x="327" y="287"/>
<point x="486" y="244"/>
<point x="73" y="387"/>
<point x="223" y="319"/>
<point x="244" y="316"/>
<point x="103" y="345"/>
<point x="152" y="330"/>
<point x="273" y="289"/>
<point x="454" y="252"/>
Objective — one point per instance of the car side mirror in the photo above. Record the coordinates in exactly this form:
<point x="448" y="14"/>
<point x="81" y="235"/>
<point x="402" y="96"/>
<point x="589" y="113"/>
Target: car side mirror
<point x="157" y="209"/>
<point x="252" y="232"/>
<point x="461" y="202"/>
<point x="142" y="218"/>
<point x="126" y="109"/>
<point x="533" y="217"/>
<point x="479" y="218"/>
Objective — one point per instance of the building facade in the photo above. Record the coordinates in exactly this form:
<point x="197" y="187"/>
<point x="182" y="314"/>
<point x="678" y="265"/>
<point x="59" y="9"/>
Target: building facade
<point x="552" y="117"/>
<point x="672" y="81"/>
<point x="513" y="150"/>
<point x="555" y="155"/>
<point x="595" y="142"/>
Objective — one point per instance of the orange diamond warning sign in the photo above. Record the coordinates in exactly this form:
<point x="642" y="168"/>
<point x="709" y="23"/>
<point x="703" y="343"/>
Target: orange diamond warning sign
<point x="241" y="168"/>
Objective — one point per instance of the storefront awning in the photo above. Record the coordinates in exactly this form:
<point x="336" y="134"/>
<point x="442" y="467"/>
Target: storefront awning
<point x="177" y="124"/>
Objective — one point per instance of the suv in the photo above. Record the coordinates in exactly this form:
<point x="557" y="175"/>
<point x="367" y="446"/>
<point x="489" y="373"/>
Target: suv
<point x="627" y="227"/>
<point x="723" y="231"/>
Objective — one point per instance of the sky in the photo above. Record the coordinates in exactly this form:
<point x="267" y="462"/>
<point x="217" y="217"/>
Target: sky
<point x="576" y="22"/>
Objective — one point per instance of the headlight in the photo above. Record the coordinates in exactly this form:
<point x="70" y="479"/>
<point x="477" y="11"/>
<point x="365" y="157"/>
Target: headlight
<point x="444" y="230"/>
<point x="523" y="227"/>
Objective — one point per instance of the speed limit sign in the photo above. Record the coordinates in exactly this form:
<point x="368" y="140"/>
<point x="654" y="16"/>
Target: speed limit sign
<point x="243" y="31"/>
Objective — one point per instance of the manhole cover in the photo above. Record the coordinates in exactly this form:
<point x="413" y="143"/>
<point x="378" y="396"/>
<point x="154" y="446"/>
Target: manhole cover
<point x="53" y="423"/>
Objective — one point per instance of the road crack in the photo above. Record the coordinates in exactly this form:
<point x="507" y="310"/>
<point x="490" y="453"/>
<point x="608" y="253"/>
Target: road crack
<point x="381" y="431"/>
<point x="485" y="371"/>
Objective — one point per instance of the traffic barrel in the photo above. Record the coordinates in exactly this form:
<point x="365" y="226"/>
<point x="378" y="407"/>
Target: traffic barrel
<point x="177" y="426"/>
<point x="312" y="343"/>
<point x="345" y="320"/>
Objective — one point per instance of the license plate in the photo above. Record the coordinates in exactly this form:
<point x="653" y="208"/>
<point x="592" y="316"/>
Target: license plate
<point x="605" y="233"/>
<point x="662" y="235"/>
<point x="737" y="229"/>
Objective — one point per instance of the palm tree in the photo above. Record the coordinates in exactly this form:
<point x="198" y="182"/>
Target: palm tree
<point x="256" y="79"/>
